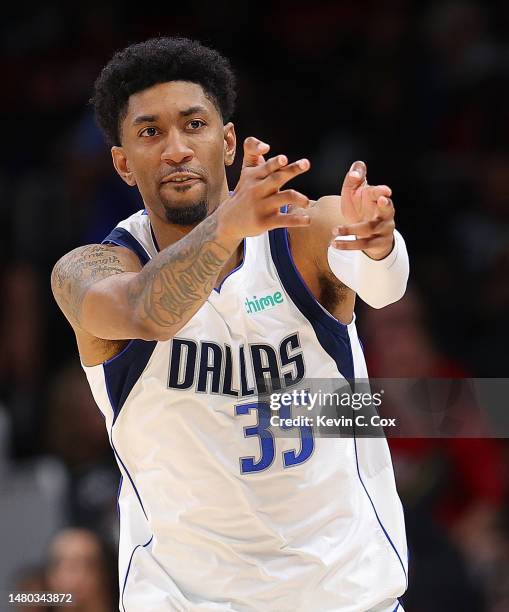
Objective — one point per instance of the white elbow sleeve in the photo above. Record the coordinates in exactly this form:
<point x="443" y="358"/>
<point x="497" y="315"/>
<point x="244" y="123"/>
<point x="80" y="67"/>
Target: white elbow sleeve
<point x="377" y="282"/>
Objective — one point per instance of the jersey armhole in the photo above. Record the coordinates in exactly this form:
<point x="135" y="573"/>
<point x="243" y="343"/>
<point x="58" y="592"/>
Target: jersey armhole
<point x="121" y="237"/>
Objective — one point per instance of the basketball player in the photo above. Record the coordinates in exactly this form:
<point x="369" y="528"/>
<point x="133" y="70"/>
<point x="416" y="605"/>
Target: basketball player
<point x="182" y="313"/>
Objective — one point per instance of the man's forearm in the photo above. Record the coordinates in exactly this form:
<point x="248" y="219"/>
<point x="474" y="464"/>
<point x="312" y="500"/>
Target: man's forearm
<point x="174" y="284"/>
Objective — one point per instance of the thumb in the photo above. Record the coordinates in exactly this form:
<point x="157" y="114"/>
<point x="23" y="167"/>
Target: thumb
<point x="355" y="176"/>
<point x="254" y="150"/>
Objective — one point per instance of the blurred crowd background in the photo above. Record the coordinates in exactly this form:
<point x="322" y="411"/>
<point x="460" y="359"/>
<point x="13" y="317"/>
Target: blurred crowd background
<point x="420" y="91"/>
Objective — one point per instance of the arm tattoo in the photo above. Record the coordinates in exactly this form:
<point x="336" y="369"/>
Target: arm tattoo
<point x="166" y="292"/>
<point x="78" y="270"/>
<point x="173" y="286"/>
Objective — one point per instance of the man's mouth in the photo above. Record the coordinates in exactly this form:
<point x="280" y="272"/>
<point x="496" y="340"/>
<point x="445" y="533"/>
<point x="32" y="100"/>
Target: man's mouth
<point x="182" y="178"/>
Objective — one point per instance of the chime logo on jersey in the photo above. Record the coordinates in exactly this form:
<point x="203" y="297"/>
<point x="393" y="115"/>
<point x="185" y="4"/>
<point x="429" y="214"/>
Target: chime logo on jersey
<point x="208" y="367"/>
<point x="254" y="304"/>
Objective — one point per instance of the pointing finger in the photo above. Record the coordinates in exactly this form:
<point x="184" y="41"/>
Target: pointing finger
<point x="276" y="177"/>
<point x="254" y="150"/>
<point x="385" y="207"/>
<point x="358" y="170"/>
<point x="355" y="176"/>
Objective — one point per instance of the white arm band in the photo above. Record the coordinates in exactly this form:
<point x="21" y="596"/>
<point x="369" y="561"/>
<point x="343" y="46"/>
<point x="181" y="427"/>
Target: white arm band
<point x="377" y="282"/>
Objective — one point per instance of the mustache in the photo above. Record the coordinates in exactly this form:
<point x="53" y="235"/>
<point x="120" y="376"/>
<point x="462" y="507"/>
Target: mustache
<point x="201" y="172"/>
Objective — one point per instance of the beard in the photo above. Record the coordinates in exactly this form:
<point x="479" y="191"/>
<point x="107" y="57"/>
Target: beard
<point x="186" y="215"/>
<point x="177" y="210"/>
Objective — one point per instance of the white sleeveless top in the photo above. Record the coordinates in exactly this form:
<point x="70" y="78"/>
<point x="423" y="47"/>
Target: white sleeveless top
<point x="215" y="512"/>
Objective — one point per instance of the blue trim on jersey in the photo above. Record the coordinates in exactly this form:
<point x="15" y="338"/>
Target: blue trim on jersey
<point x="218" y="289"/>
<point x="120" y="375"/>
<point x="129" y="476"/>
<point x="123" y="371"/>
<point x="332" y="335"/>
<point x="129" y="567"/>
<point x="119" y="459"/>
<point x="119" y="490"/>
<point x="154" y="239"/>
<point x="361" y="344"/>
<point x="376" y="514"/>
<point x="396" y="607"/>
<point x="121" y="237"/>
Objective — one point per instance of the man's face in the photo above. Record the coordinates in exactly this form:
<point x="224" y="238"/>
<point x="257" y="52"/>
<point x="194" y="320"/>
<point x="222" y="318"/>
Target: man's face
<point x="174" y="149"/>
<point x="76" y="565"/>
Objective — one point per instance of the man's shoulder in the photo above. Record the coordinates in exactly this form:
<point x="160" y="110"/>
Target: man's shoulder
<point x="71" y="278"/>
<point x="328" y="200"/>
<point x="327" y="209"/>
<point x="77" y="270"/>
<point x="325" y="214"/>
<point x="84" y="261"/>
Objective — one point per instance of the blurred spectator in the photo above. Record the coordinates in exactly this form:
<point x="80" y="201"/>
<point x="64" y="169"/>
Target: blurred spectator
<point x="31" y="579"/>
<point x="32" y="506"/>
<point x="80" y="564"/>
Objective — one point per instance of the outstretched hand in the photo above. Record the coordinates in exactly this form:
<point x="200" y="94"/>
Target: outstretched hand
<point x="256" y="202"/>
<point x="369" y="215"/>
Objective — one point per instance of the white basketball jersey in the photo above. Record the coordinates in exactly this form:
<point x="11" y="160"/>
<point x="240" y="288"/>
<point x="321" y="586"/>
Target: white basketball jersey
<point x="216" y="513"/>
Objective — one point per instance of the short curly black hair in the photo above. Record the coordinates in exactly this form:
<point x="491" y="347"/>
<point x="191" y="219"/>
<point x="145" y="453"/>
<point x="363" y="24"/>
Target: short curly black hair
<point x="159" y="60"/>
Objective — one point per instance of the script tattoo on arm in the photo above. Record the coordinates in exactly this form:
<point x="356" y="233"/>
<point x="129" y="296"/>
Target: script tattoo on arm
<point x="153" y="303"/>
<point x="174" y="285"/>
<point x="75" y="272"/>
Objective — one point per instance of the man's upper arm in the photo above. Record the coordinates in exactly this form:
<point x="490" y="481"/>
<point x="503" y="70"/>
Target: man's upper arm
<point x="100" y="274"/>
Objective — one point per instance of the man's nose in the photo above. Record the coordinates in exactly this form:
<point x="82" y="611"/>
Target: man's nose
<point x="176" y="150"/>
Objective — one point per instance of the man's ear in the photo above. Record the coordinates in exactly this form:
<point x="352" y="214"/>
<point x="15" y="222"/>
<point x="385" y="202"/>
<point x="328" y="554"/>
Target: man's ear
<point x="230" y="144"/>
<point x="122" y="165"/>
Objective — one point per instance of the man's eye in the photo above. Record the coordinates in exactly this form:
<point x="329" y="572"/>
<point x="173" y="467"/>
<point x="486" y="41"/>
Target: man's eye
<point x="196" y="124"/>
<point x="148" y="132"/>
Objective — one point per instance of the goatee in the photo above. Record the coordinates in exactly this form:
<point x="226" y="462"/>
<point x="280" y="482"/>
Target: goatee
<point x="187" y="215"/>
